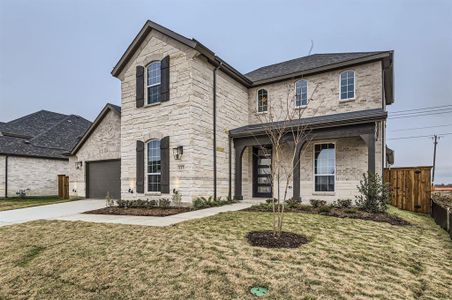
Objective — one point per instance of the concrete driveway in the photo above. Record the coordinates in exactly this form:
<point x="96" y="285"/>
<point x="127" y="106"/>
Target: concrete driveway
<point x="51" y="211"/>
<point x="73" y="211"/>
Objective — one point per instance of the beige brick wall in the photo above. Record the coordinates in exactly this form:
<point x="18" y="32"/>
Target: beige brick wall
<point x="36" y="174"/>
<point x="323" y="94"/>
<point x="103" y="144"/>
<point x="2" y="176"/>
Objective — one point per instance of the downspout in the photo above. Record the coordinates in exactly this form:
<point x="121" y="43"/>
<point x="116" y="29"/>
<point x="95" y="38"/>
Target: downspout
<point x="6" y="176"/>
<point x="215" y="130"/>
<point x="230" y="167"/>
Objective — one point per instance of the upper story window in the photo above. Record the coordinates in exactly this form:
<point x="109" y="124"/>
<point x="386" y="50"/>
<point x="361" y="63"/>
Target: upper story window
<point x="153" y="82"/>
<point x="347" y="84"/>
<point x="301" y="93"/>
<point x="262" y="100"/>
<point x="154" y="172"/>
<point x="324" y="167"/>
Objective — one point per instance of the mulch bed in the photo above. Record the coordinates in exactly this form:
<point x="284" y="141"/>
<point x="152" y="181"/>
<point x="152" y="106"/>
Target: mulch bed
<point x="341" y="213"/>
<point x="154" y="211"/>
<point x="268" y="239"/>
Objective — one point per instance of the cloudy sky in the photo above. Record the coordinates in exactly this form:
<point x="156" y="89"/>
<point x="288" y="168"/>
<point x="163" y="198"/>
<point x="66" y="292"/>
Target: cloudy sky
<point x="57" y="55"/>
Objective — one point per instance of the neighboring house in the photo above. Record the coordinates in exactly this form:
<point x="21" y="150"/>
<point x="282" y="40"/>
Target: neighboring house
<point x="32" y="152"/>
<point x="190" y="121"/>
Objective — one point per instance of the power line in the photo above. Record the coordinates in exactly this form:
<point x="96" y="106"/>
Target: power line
<point x="421" y="114"/>
<point x="419" y="136"/>
<point x="418" y="128"/>
<point x="422" y="108"/>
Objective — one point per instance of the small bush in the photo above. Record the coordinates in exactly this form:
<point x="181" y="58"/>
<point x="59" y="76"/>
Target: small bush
<point x="293" y="203"/>
<point x="176" y="198"/>
<point x="164" y="202"/>
<point x="139" y="203"/>
<point x="203" y="202"/>
<point x="374" y="194"/>
<point x="350" y="211"/>
<point x="270" y="201"/>
<point x="304" y="207"/>
<point x="317" y="203"/>
<point x="324" y="209"/>
<point x="344" y="203"/>
<point x="109" y="202"/>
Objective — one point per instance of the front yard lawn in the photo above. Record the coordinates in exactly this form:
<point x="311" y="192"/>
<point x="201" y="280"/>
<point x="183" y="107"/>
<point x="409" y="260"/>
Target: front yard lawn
<point x="13" y="203"/>
<point x="210" y="259"/>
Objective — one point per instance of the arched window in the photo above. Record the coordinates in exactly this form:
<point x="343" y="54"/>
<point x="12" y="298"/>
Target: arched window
<point x="153" y="170"/>
<point x="347" y="85"/>
<point x="301" y="93"/>
<point x="153" y="82"/>
<point x="262" y="100"/>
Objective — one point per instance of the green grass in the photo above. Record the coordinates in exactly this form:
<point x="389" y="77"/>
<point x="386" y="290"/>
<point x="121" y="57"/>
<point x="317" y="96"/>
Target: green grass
<point x="14" y="203"/>
<point x="210" y="259"/>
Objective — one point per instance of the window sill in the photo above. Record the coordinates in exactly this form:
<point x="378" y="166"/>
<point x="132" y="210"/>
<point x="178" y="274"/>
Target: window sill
<point x="261" y="113"/>
<point x="152" y="104"/>
<point x="324" y="193"/>
<point x="301" y="107"/>
<point x="346" y="100"/>
<point x="153" y="194"/>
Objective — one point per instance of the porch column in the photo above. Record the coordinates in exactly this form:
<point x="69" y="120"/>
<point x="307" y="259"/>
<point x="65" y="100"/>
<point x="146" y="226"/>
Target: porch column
<point x="369" y="139"/>
<point x="238" y="151"/>
<point x="296" y="171"/>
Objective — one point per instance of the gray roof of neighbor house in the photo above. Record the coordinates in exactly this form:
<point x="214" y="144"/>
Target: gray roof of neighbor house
<point x="293" y="68"/>
<point x="42" y="134"/>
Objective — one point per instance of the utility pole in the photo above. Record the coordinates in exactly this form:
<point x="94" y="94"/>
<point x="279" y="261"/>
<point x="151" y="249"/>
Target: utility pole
<point x="435" y="142"/>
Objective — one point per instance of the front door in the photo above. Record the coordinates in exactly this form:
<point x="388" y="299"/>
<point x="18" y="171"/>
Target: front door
<point x="262" y="161"/>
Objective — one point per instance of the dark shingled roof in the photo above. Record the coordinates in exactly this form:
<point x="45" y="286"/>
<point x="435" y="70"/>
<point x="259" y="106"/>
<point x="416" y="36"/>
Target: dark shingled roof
<point x="348" y="118"/>
<point x="42" y="134"/>
<point x="305" y="63"/>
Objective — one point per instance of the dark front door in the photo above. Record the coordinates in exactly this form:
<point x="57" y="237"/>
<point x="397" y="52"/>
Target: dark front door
<point x="262" y="161"/>
<point x="103" y="178"/>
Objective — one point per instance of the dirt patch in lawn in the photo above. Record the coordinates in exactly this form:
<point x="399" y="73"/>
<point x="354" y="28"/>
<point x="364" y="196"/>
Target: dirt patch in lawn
<point x="154" y="211"/>
<point x="352" y="213"/>
<point x="269" y="239"/>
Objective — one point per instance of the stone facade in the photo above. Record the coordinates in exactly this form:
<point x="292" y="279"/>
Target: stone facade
<point x="37" y="176"/>
<point x="187" y="118"/>
<point x="103" y="144"/>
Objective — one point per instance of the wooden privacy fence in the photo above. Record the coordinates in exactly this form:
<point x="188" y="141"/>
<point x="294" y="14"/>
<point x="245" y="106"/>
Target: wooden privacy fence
<point x="63" y="186"/>
<point x="410" y="187"/>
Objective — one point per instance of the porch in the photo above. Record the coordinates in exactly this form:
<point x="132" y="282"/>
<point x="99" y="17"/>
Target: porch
<point x="362" y="125"/>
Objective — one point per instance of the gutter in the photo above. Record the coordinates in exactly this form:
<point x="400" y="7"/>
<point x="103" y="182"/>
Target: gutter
<point x="215" y="130"/>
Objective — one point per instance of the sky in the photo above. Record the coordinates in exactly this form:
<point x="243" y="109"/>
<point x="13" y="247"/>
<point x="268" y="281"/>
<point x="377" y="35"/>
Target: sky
<point x="58" y="55"/>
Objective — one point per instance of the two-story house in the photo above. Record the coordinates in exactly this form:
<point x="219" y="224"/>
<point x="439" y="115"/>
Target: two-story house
<point x="190" y="121"/>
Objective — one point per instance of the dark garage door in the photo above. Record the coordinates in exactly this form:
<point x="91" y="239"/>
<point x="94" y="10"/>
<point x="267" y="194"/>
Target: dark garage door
<point x="103" y="177"/>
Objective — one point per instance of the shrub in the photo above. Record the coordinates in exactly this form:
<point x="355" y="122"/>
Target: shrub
<point x="324" y="209"/>
<point x="344" y="203"/>
<point x="139" y="203"/>
<point x="293" y="203"/>
<point x="350" y="211"/>
<point x="374" y="194"/>
<point x="317" y="203"/>
<point x="270" y="201"/>
<point x="176" y="198"/>
<point x="164" y="202"/>
<point x="108" y="201"/>
<point x="203" y="202"/>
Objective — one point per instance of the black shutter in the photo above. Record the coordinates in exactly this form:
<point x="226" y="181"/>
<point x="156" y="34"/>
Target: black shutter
<point x="140" y="167"/>
<point x="140" y="86"/>
<point x="165" y="78"/>
<point x="165" y="165"/>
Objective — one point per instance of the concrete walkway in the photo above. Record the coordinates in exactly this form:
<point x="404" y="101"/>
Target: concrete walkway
<point x="72" y="211"/>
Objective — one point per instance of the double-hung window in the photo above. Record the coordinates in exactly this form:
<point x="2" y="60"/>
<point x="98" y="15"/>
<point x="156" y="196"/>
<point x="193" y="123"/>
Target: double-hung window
<point x="154" y="172"/>
<point x="262" y="100"/>
<point x="301" y="93"/>
<point x="347" y="84"/>
<point x="153" y="82"/>
<point x="324" y="167"/>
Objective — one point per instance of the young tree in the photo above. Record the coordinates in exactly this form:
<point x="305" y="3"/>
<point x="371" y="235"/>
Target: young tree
<point x="285" y="133"/>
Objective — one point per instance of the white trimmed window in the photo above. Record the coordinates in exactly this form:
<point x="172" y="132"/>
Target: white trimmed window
<point x="153" y="82"/>
<point x="324" y="167"/>
<point x="347" y="84"/>
<point x="154" y="172"/>
<point x="301" y="93"/>
<point x="262" y="100"/>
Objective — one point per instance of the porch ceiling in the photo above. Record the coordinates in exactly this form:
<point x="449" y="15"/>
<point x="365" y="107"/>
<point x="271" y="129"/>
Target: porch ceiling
<point x="327" y="121"/>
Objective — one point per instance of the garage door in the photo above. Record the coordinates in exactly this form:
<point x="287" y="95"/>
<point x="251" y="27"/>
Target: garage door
<point x="104" y="177"/>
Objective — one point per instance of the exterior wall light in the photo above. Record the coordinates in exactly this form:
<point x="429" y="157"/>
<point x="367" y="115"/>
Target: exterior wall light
<point x="78" y="164"/>
<point x="177" y="152"/>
